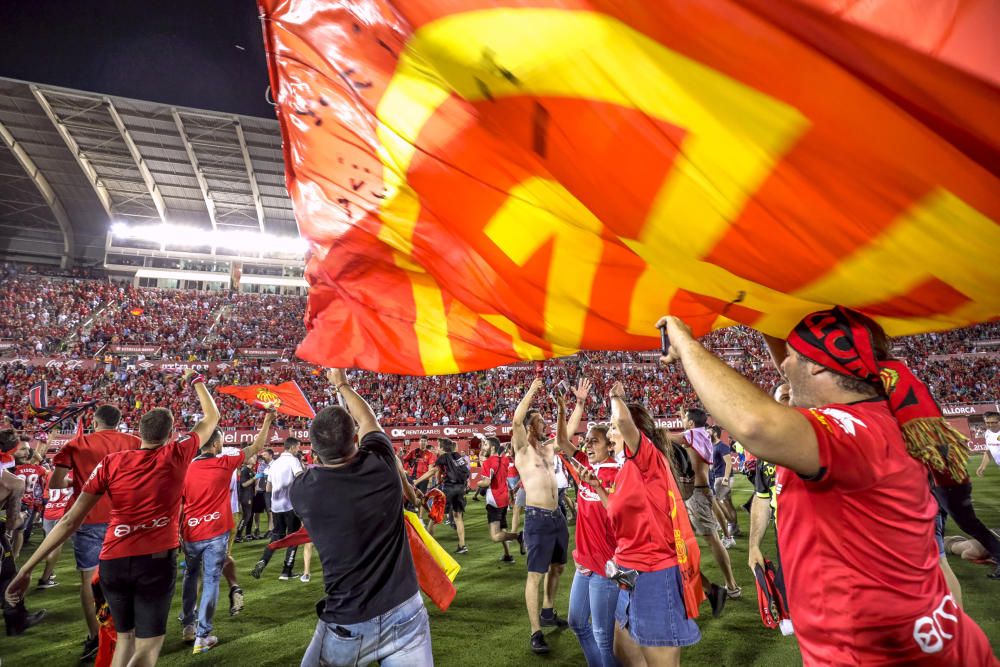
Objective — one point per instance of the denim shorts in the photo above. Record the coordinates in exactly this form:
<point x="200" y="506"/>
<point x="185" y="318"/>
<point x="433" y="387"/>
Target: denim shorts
<point x="87" y="543"/>
<point x="546" y="538"/>
<point x="653" y="612"/>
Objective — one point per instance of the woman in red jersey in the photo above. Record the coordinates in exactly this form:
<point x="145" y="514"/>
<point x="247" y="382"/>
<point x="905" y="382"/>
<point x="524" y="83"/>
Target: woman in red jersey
<point x="651" y="618"/>
<point x="593" y="597"/>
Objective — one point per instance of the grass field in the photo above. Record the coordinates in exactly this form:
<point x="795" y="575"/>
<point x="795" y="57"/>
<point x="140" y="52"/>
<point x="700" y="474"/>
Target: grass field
<point x="486" y="624"/>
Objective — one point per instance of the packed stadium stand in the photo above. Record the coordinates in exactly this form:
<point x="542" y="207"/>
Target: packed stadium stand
<point x="84" y="318"/>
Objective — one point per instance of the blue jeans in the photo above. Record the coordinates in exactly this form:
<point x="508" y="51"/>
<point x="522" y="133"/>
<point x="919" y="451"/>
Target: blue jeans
<point x="592" y="603"/>
<point x="401" y="637"/>
<point x="204" y="558"/>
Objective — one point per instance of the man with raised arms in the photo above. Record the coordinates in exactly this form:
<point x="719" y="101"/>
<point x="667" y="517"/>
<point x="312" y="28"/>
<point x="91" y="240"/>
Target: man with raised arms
<point x="545" y="535"/>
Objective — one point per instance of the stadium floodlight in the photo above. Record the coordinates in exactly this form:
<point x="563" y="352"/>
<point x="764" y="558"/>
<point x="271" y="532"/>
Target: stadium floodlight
<point x="252" y="242"/>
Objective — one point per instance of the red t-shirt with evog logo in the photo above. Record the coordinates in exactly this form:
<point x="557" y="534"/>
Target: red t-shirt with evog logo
<point x="208" y="510"/>
<point x="144" y="487"/>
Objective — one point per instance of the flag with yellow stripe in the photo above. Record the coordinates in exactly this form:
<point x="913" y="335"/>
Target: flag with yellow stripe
<point x="490" y="181"/>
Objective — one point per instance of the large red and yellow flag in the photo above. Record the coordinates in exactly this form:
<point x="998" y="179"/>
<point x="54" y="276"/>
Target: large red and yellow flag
<point x="485" y="181"/>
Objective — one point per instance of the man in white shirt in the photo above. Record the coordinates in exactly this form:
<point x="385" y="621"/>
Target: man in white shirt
<point x="992" y="420"/>
<point x="283" y="470"/>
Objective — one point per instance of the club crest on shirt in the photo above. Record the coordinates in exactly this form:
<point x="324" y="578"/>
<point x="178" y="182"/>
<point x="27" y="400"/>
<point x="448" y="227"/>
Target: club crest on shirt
<point x="845" y="421"/>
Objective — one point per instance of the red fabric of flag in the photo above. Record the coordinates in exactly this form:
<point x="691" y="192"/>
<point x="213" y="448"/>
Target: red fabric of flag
<point x="287" y="397"/>
<point x="489" y="181"/>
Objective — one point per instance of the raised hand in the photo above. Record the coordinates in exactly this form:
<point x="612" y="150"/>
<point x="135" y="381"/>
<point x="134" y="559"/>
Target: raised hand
<point x="582" y="389"/>
<point x="617" y="390"/>
<point x="677" y="331"/>
<point x="336" y="376"/>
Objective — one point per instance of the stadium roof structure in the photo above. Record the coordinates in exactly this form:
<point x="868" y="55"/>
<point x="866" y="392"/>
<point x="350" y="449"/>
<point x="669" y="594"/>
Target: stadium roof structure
<point x="73" y="163"/>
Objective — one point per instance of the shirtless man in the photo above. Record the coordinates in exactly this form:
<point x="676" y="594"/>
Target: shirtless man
<point x="546" y="535"/>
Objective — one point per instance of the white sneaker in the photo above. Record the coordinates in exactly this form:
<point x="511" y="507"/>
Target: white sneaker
<point x="734" y="593"/>
<point x="728" y="542"/>
<point x="188" y="634"/>
<point x="305" y="578"/>
<point x="203" y="644"/>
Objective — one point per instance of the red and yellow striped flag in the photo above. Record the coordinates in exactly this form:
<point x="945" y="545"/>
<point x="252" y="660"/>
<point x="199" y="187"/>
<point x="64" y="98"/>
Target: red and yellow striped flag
<point x="489" y="181"/>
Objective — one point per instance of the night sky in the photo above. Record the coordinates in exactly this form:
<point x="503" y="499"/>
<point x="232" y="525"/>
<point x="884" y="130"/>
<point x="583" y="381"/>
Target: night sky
<point x="181" y="52"/>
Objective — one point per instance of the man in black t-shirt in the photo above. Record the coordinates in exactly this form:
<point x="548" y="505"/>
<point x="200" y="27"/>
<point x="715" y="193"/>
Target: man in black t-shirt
<point x="351" y="504"/>
<point x="454" y="472"/>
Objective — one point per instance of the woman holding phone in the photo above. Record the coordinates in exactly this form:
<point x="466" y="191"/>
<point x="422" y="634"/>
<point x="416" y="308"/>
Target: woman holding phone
<point x="593" y="597"/>
<point x="651" y="621"/>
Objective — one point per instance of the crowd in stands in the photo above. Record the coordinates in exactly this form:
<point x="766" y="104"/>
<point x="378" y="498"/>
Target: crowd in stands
<point x="471" y="398"/>
<point x="176" y="320"/>
<point x="38" y="315"/>
<point x="45" y="316"/>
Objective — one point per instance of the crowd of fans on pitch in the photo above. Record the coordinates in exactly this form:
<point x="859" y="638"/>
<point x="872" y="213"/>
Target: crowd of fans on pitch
<point x="45" y="316"/>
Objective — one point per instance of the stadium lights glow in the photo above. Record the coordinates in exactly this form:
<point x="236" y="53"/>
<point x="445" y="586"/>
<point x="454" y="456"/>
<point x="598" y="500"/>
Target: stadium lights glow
<point x="240" y="241"/>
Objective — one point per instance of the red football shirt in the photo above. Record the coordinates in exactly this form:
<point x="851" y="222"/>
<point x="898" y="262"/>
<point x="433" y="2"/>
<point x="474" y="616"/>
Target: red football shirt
<point x="144" y="486"/>
<point x="34" y="477"/>
<point x="82" y="454"/>
<point x="595" y="541"/>
<point x="58" y="500"/>
<point x="497" y="494"/>
<point x="208" y="510"/>
<point x="637" y="509"/>
<point x="861" y="565"/>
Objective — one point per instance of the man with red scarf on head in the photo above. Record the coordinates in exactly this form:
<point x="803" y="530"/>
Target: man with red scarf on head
<point x="853" y="453"/>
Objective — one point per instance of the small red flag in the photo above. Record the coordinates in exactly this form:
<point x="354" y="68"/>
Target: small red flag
<point x="287" y="397"/>
<point x="137" y="311"/>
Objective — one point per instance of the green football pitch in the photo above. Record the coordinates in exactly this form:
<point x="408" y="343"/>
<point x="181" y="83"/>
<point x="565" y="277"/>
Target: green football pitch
<point x="485" y="625"/>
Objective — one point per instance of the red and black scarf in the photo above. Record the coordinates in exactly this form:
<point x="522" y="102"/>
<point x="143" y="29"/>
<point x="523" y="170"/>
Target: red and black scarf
<point x="841" y="340"/>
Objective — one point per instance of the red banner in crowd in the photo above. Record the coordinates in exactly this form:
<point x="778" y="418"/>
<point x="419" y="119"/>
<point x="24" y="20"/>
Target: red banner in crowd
<point x="485" y="181"/>
<point x="134" y="349"/>
<point x="261" y="352"/>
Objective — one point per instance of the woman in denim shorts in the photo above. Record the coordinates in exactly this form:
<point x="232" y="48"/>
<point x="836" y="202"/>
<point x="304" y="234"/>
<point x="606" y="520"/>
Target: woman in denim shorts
<point x="651" y="620"/>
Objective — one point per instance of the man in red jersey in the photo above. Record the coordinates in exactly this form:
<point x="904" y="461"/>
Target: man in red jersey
<point x="494" y="480"/>
<point x="34" y="480"/>
<point x="206" y="523"/>
<point x="80" y="456"/>
<point x="862" y="574"/>
<point x="55" y="507"/>
<point x="138" y="562"/>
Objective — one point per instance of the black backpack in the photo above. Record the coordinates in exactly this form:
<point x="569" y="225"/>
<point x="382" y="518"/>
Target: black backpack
<point x="457" y="471"/>
<point x="683" y="469"/>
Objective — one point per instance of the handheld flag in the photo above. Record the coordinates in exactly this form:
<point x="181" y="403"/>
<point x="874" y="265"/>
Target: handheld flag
<point x="52" y="415"/>
<point x="488" y="181"/>
<point x="287" y="397"/>
<point x="771" y="600"/>
<point x="436" y="569"/>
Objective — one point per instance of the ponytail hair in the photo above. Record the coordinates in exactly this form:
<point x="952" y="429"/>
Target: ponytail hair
<point x="658" y="436"/>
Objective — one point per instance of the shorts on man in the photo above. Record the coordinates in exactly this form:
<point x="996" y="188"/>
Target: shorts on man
<point x="699" y="507"/>
<point x="497" y="515"/>
<point x="722" y="491"/>
<point x="138" y="590"/>
<point x="546" y="538"/>
<point x="455" y="497"/>
<point x="87" y="542"/>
